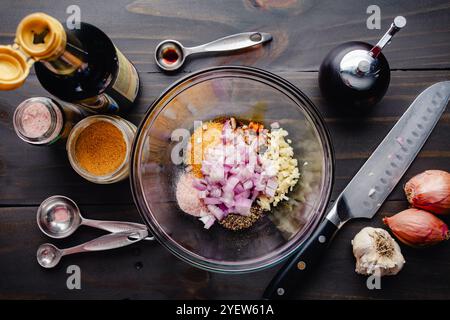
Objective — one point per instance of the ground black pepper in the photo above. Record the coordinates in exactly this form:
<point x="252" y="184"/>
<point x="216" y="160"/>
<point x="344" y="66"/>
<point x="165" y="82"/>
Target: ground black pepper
<point x="237" y="222"/>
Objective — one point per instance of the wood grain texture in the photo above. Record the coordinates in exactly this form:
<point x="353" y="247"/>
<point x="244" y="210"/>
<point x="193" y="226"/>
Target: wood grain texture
<point x="148" y="271"/>
<point x="304" y="31"/>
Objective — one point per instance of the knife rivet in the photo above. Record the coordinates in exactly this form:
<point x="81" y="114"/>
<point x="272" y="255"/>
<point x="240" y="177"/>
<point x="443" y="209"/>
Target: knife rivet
<point x="280" y="291"/>
<point x="301" y="265"/>
<point x="322" y="239"/>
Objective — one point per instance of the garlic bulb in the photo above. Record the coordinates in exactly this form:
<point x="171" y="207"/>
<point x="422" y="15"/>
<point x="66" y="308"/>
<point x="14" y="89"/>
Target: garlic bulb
<point x="376" y="251"/>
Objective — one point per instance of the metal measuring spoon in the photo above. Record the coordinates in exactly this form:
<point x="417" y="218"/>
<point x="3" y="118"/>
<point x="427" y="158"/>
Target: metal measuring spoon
<point x="58" y="217"/>
<point x="171" y="54"/>
<point x="49" y="255"/>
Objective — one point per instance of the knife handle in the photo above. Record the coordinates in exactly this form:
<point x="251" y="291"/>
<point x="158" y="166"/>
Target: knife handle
<point x="296" y="270"/>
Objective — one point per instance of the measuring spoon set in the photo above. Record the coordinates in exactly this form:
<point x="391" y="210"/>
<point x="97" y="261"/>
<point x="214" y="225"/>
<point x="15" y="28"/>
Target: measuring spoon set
<point x="58" y="217"/>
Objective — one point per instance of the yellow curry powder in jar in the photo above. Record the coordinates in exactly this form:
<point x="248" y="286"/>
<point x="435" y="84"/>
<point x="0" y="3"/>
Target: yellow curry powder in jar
<point x="99" y="146"/>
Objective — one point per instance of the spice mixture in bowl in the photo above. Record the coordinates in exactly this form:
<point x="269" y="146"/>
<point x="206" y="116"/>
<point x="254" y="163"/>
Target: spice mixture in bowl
<point x="235" y="171"/>
<point x="232" y="169"/>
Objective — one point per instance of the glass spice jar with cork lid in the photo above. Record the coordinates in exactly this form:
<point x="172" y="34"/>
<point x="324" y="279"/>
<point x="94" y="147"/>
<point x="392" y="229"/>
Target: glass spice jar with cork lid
<point x="43" y="121"/>
<point x="99" y="148"/>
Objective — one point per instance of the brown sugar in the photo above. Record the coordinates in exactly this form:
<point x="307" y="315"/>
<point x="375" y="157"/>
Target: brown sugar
<point x="100" y="148"/>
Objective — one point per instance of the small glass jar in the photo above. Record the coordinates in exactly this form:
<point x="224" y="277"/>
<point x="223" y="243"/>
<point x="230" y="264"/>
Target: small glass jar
<point x="128" y="131"/>
<point x="44" y="121"/>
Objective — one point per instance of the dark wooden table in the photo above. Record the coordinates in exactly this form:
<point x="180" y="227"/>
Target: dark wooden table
<point x="304" y="31"/>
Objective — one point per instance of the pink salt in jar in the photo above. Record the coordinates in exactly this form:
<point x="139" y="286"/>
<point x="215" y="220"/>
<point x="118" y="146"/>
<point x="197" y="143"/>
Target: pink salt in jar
<point x="43" y="121"/>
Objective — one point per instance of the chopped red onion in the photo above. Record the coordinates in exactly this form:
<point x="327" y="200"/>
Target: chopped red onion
<point x="235" y="174"/>
<point x="216" y="212"/>
<point x="215" y="193"/>
<point x="212" y="201"/>
<point x="243" y="206"/>
<point x="248" y="184"/>
<point x="231" y="183"/>
<point x="229" y="203"/>
<point x="203" y="194"/>
<point x="224" y="208"/>
<point x="199" y="184"/>
<point x="243" y="195"/>
<point x="208" y="221"/>
<point x="239" y="188"/>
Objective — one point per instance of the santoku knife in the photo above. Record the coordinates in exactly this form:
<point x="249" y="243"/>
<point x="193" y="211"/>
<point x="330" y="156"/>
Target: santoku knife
<point x="369" y="188"/>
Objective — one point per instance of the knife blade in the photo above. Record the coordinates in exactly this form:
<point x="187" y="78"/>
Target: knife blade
<point x="370" y="187"/>
<point x="383" y="170"/>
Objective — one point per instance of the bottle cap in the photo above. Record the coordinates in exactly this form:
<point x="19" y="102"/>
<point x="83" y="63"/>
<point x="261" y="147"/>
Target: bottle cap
<point x="41" y="36"/>
<point x="38" y="37"/>
<point x="14" y="68"/>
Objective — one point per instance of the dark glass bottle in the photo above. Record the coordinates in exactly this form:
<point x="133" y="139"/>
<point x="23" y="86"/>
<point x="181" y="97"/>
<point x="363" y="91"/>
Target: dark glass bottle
<point x="80" y="66"/>
<point x="99" y="77"/>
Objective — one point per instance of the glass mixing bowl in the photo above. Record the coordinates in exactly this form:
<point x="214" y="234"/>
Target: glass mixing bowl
<point x="244" y="93"/>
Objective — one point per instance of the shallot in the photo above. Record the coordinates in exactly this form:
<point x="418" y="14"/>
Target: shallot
<point x="430" y="191"/>
<point x="417" y="228"/>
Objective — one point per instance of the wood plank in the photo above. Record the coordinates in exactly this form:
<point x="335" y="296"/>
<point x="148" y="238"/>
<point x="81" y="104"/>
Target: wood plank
<point x="148" y="271"/>
<point x="28" y="174"/>
<point x="304" y="30"/>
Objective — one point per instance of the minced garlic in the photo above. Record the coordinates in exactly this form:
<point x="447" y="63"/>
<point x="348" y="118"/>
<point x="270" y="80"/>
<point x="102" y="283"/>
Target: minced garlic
<point x="280" y="156"/>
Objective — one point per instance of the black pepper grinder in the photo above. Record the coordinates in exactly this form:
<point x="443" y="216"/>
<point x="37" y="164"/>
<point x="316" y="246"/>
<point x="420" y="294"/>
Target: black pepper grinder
<point x="355" y="75"/>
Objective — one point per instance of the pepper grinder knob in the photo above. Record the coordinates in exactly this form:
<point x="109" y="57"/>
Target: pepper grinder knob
<point x="357" y="73"/>
<point x="359" y="69"/>
<point x="399" y="23"/>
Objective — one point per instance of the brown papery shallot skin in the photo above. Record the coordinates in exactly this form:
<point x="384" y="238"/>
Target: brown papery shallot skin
<point x="430" y="190"/>
<point x="417" y="228"/>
